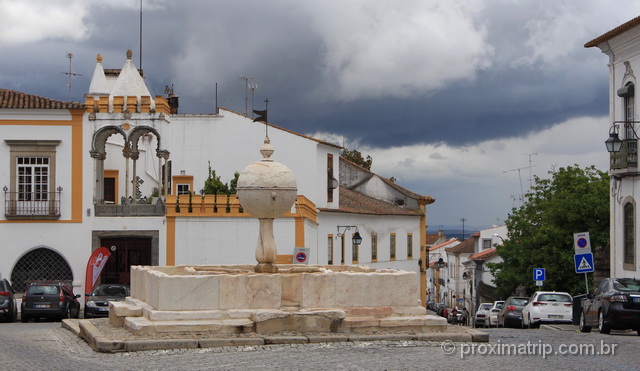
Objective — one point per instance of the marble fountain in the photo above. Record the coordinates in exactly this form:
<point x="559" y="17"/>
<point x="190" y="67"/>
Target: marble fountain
<point x="267" y="298"/>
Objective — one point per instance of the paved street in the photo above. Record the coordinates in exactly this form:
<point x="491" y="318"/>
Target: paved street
<point x="46" y="346"/>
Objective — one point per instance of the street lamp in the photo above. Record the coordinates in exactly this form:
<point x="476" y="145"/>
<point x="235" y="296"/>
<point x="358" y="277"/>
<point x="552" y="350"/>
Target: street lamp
<point x="613" y="144"/>
<point x="356" y="240"/>
<point x="498" y="236"/>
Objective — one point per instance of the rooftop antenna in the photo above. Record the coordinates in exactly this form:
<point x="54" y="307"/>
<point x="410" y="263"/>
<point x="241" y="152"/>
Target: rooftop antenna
<point x="70" y="74"/>
<point x="253" y="88"/>
<point x="520" y="177"/>
<point x="246" y="92"/>
<point x="463" y="220"/>
<point x="140" y="35"/>
<point x="530" y="166"/>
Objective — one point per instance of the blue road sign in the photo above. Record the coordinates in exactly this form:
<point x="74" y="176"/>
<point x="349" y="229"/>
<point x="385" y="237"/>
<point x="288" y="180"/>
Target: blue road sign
<point x="539" y="274"/>
<point x="584" y="262"/>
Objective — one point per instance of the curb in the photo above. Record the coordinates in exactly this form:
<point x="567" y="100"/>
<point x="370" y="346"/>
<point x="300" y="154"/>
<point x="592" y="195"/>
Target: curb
<point x="100" y="343"/>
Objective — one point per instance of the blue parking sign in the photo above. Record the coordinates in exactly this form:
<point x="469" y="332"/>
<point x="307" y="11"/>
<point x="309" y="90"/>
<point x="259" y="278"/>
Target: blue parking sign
<point x="539" y="274"/>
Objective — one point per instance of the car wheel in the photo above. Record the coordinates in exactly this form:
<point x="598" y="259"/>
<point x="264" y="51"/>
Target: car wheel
<point x="583" y="326"/>
<point x="67" y="313"/>
<point x="602" y="327"/>
<point x="533" y="325"/>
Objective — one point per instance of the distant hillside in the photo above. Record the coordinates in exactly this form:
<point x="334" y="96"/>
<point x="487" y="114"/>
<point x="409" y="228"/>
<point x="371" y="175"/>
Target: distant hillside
<point x="456" y="231"/>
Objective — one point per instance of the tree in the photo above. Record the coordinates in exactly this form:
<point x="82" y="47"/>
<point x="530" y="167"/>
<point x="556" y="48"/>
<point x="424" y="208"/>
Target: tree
<point x="356" y="157"/>
<point x="213" y="184"/>
<point x="541" y="231"/>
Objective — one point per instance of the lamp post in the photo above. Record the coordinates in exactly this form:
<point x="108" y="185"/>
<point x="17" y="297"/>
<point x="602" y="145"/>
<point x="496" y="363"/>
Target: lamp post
<point x="613" y="143"/>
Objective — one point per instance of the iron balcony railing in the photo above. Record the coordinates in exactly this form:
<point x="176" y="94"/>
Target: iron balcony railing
<point x="627" y="157"/>
<point x="32" y="205"/>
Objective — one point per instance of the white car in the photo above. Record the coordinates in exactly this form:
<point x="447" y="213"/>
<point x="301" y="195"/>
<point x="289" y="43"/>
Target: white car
<point x="493" y="313"/>
<point x="547" y="307"/>
<point x="482" y="315"/>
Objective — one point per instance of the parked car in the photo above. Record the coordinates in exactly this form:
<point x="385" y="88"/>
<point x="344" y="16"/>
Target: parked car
<point x="614" y="304"/>
<point x="49" y="299"/>
<point x="8" y="307"/>
<point x="97" y="304"/>
<point x="482" y="315"/>
<point x="439" y="307"/>
<point x="493" y="312"/>
<point x="510" y="314"/>
<point x="547" y="307"/>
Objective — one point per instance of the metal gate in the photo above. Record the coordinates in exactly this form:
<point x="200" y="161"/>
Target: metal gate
<point x="125" y="252"/>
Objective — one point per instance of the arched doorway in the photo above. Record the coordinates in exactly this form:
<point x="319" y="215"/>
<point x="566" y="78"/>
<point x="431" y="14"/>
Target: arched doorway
<point x="40" y="264"/>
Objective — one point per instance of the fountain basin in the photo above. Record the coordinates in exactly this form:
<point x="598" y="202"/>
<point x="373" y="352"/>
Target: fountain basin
<point x="235" y="299"/>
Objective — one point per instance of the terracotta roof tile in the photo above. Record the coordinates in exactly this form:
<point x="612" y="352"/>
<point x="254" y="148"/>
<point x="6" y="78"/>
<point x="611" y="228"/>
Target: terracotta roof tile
<point x="15" y="99"/>
<point x="432" y="238"/>
<point x="464" y="247"/>
<point x="449" y="241"/>
<point x="485" y="254"/>
<point x="358" y="203"/>
<point x="613" y="33"/>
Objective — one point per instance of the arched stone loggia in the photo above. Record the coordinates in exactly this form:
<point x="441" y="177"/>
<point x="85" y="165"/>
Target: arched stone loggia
<point x="99" y="153"/>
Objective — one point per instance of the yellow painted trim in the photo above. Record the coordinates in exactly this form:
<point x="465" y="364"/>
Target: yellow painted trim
<point x="284" y="259"/>
<point x="357" y="249"/>
<point x="114" y="174"/>
<point x="333" y="246"/>
<point x="171" y="240"/>
<point x="374" y="236"/>
<point x="77" y="156"/>
<point x="299" y="231"/>
<point x="423" y="255"/>
<point x="395" y="243"/>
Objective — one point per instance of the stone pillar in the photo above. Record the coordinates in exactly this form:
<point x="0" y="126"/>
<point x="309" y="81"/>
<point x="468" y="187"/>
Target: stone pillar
<point x="98" y="190"/>
<point x="266" y="251"/>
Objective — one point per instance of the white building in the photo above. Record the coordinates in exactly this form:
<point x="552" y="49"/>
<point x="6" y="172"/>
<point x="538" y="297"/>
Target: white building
<point x="622" y="46"/>
<point x="80" y="176"/>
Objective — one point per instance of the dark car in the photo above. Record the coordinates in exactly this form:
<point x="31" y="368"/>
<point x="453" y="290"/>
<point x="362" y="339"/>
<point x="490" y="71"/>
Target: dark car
<point x="50" y="300"/>
<point x="97" y="304"/>
<point x="613" y="305"/>
<point x="8" y="308"/>
<point x="510" y="314"/>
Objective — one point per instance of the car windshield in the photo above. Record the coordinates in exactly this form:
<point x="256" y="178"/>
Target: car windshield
<point x="519" y="302"/>
<point x="626" y="284"/>
<point x="554" y="297"/>
<point x="110" y="291"/>
<point x="42" y="290"/>
<point x="485" y="307"/>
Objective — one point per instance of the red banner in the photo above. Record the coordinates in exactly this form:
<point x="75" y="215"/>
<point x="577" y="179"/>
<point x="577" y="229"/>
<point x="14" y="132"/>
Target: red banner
<point x="96" y="262"/>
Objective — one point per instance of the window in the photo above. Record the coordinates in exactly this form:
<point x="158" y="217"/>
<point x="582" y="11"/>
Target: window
<point x="331" y="181"/>
<point x="32" y="192"/>
<point x="182" y="184"/>
<point x="409" y="246"/>
<point x="182" y="189"/>
<point x="392" y="246"/>
<point x="374" y="247"/>
<point x="33" y="178"/>
<point x="354" y="252"/>
<point x="330" y="249"/>
<point x="487" y="243"/>
<point x="629" y="237"/>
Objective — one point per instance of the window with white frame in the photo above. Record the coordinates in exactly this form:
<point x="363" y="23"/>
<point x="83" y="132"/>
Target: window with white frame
<point x="183" y="188"/>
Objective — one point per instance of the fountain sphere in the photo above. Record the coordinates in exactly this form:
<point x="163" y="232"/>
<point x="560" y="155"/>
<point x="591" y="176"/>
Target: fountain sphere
<point x="266" y="189"/>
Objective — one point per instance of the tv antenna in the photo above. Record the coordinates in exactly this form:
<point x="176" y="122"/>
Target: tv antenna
<point x="253" y="88"/>
<point x="520" y="177"/>
<point x="530" y="166"/>
<point x="70" y="74"/>
<point x="246" y="92"/>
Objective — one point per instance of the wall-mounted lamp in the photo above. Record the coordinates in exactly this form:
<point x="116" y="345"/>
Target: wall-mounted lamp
<point x="357" y="240"/>
<point x="465" y="276"/>
<point x="613" y="144"/>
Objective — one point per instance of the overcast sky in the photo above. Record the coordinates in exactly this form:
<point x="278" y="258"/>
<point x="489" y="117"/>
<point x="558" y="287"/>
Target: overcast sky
<point x="460" y="100"/>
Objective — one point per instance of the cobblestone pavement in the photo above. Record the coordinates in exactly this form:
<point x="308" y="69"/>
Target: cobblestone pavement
<point x="47" y="346"/>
